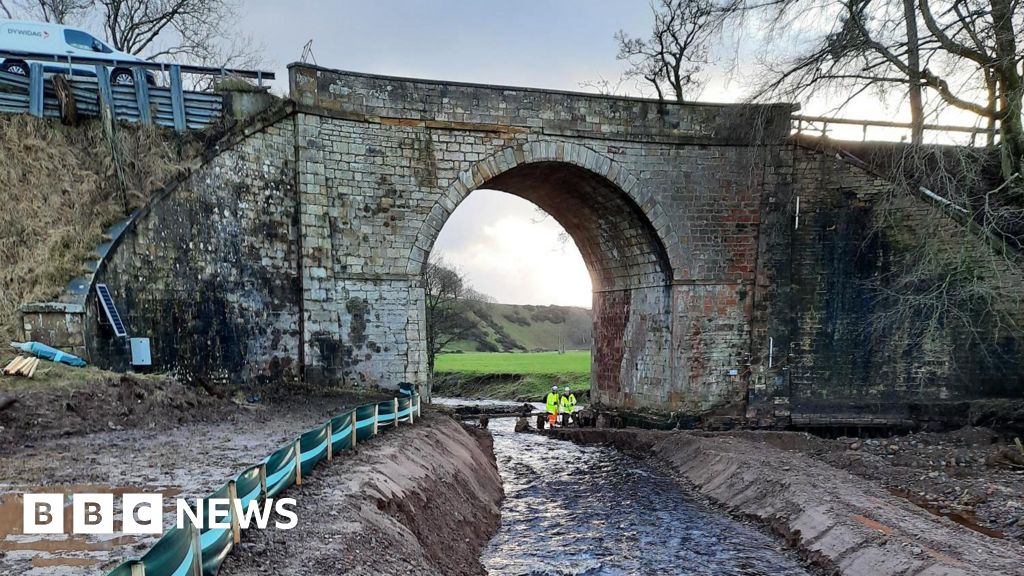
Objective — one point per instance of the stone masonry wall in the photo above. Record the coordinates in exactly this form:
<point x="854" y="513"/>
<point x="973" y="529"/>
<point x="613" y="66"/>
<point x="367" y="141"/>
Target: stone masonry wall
<point x="209" y="272"/>
<point x="832" y="344"/>
<point x="383" y="162"/>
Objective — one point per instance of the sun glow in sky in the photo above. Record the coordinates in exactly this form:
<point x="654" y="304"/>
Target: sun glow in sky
<point x="509" y="250"/>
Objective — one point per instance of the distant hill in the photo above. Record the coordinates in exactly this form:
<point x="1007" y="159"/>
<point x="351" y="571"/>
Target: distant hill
<point x="525" y="328"/>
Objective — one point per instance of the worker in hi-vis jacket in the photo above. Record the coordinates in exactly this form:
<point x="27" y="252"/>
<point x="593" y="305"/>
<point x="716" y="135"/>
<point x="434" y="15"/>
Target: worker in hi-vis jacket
<point x="552" y="403"/>
<point x="567" y="405"/>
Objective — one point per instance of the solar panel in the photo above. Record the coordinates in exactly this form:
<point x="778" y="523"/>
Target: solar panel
<point x="107" y="302"/>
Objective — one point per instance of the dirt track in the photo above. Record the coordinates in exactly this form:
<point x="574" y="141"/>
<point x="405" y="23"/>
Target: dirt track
<point x="840" y="521"/>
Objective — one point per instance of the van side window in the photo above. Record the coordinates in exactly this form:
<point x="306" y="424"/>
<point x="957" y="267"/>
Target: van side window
<point x="84" y="41"/>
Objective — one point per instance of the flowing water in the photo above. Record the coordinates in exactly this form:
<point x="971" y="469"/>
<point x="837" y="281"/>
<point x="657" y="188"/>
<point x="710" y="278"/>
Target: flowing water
<point x="592" y="510"/>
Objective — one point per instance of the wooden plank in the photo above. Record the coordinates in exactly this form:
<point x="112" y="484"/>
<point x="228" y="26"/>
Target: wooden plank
<point x="12" y="363"/>
<point x="16" y="365"/>
<point x="32" y="370"/>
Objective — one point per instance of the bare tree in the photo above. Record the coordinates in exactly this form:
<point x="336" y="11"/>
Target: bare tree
<point x="946" y="54"/>
<point x="159" y="28"/>
<point x="671" y="59"/>
<point x="57" y="11"/>
<point x="446" y="294"/>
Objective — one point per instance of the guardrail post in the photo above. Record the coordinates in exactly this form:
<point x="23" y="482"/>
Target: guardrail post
<point x="236" y="530"/>
<point x="419" y="403"/>
<point x="412" y="409"/>
<point x="142" y="96"/>
<point x="138" y="569"/>
<point x="263" y="480"/>
<point x="197" y="547"/>
<point x="298" y="463"/>
<point x="35" y="89"/>
<point x="376" y="413"/>
<point x="177" y="99"/>
<point x="330" y="441"/>
<point x="395" y="404"/>
<point x="355" y="430"/>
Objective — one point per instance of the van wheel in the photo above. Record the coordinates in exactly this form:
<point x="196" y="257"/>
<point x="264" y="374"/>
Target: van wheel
<point x="122" y="77"/>
<point x="15" y="67"/>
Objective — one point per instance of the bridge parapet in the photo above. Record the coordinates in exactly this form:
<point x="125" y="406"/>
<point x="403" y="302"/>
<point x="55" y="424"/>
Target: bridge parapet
<point x="432" y="104"/>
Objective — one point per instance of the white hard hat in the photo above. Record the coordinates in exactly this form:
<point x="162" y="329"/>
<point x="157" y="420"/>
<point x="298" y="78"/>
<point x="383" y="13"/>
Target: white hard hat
<point x="554" y="388"/>
<point x="566" y="388"/>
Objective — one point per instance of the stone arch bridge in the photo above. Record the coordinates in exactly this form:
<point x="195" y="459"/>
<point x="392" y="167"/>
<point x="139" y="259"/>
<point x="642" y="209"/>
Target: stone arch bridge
<point x="296" y="252"/>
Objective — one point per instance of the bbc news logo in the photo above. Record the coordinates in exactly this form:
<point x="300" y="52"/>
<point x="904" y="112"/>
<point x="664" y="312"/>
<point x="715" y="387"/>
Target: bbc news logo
<point x="143" y="513"/>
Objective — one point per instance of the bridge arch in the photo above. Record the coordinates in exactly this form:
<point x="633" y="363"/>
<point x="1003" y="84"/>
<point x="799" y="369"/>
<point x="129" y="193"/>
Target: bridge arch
<point x="619" y="232"/>
<point x="618" y="228"/>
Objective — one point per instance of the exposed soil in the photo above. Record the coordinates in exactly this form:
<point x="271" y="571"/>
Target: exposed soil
<point x="62" y="401"/>
<point x="424" y="500"/>
<point x="844" y="523"/>
<point x="970" y="476"/>
<point x="187" y="446"/>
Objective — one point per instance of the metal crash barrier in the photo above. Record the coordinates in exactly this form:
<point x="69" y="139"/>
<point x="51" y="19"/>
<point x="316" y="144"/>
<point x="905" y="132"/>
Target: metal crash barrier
<point x="193" y="552"/>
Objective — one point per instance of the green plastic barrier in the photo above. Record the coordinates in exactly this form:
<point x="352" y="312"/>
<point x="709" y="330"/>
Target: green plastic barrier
<point x="385" y="413"/>
<point x="174" y="554"/>
<point x="248" y="486"/>
<point x="313" y="447"/>
<point x="215" y="542"/>
<point x="341" y="431"/>
<point x="280" y="470"/>
<point x="187" y="552"/>
<point x="364" y="422"/>
<point x="404" y="409"/>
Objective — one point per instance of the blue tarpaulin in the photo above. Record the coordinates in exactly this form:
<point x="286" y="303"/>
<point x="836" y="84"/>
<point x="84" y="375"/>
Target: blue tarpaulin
<point x="48" y="353"/>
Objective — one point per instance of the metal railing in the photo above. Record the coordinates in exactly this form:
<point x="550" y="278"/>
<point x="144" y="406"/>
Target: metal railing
<point x="820" y="125"/>
<point x="92" y="91"/>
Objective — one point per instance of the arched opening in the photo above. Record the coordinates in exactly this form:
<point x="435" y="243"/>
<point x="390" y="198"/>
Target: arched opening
<point x="630" y="272"/>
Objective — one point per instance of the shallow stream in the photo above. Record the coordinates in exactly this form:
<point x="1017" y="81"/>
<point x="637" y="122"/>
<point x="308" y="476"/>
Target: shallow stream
<point x="592" y="510"/>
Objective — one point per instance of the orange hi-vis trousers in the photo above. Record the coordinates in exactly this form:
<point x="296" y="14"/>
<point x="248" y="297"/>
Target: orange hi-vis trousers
<point x="552" y="418"/>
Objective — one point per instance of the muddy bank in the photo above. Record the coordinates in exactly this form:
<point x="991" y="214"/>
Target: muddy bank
<point x="187" y="453"/>
<point x="838" y="521"/>
<point x="419" y="500"/>
<point x="972" y="475"/>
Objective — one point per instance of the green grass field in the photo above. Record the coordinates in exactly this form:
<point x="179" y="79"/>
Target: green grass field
<point x="521" y="376"/>
<point x="576" y="362"/>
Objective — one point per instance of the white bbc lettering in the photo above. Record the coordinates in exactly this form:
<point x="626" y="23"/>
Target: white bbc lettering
<point x="143" y="513"/>
<point x="43" y="514"/>
<point x="92" y="513"/>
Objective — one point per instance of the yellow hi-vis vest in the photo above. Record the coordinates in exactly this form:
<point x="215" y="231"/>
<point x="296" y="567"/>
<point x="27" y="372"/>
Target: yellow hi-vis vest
<point x="569" y="403"/>
<point x="552" y="402"/>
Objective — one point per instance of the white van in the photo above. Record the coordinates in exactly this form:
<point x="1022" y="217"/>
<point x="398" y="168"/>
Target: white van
<point x="60" y="41"/>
